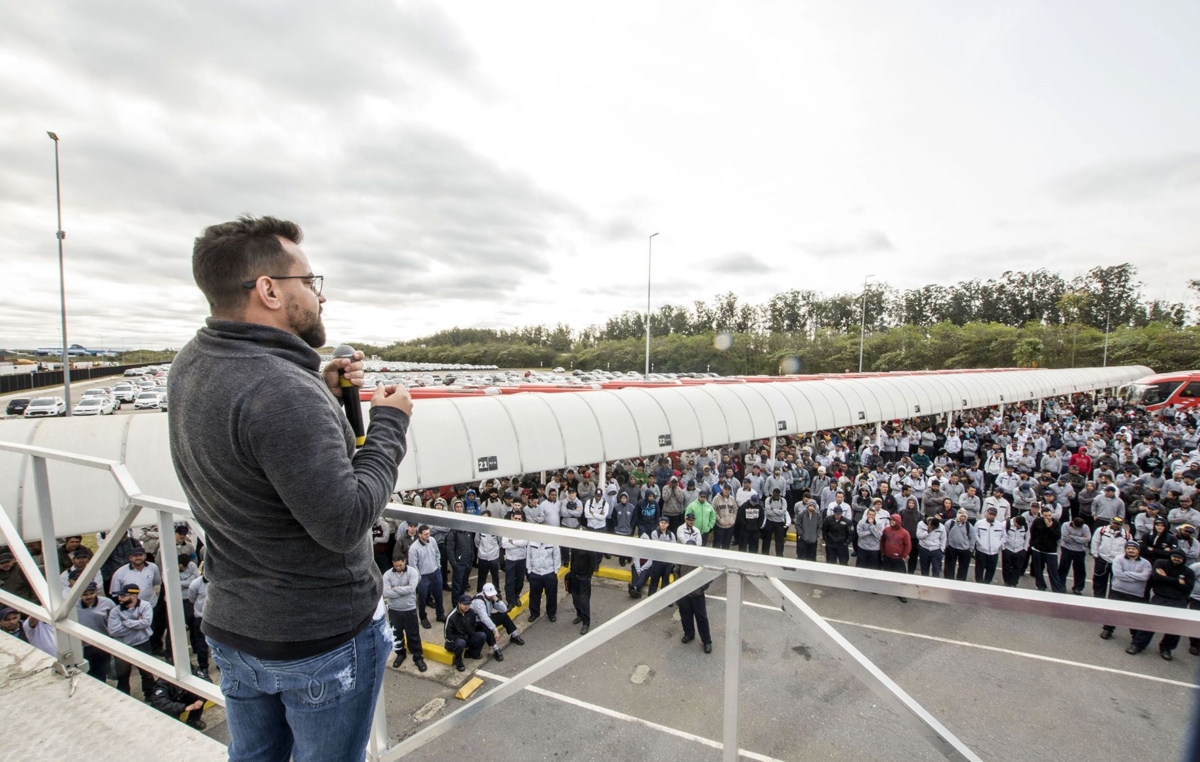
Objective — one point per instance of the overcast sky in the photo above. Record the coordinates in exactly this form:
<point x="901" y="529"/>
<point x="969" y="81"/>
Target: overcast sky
<point x="502" y="164"/>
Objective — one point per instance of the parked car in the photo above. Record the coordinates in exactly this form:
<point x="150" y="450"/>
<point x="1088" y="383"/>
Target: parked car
<point x="147" y="401"/>
<point x="44" y="407"/>
<point x="104" y="393"/>
<point x="162" y="402"/>
<point x="125" y="392"/>
<point x="96" y="404"/>
<point x="17" y="406"/>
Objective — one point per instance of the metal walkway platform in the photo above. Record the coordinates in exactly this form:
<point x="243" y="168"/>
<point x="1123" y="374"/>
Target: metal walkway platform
<point x="40" y="719"/>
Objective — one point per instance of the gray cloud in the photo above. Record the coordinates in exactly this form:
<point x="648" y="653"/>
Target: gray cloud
<point x="870" y="241"/>
<point x="738" y="263"/>
<point x="1135" y="180"/>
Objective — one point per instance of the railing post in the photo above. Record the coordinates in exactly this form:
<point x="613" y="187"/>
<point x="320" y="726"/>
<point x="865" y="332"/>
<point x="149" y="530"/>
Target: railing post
<point x="733" y="662"/>
<point x="70" y="649"/>
<point x="169" y="566"/>
<point x="377" y="743"/>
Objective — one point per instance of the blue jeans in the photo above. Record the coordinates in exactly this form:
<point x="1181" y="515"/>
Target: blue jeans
<point x="309" y="710"/>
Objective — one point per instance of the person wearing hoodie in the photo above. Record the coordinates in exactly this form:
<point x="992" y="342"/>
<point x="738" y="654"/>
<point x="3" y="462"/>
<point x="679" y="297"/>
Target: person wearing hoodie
<point x="1045" y="534"/>
<point x="895" y="546"/>
<point x="931" y="545"/>
<point x="869" y="532"/>
<point x="647" y="515"/>
<point x="624" y="518"/>
<point x="471" y="503"/>
<point x="660" y="571"/>
<point x="1130" y="576"/>
<point x="777" y="520"/>
<point x="1171" y="584"/>
<point x="706" y="516"/>
<point x="910" y="518"/>
<point x="726" y="509"/>
<point x="751" y="518"/>
<point x="459" y="547"/>
<point x="808" y="522"/>
<point x="959" y="547"/>
<point x="673" y="502"/>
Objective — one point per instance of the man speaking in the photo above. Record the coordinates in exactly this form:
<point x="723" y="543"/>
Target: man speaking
<point x="294" y="616"/>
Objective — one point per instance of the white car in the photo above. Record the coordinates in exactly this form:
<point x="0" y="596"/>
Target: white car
<point x="125" y="392"/>
<point x="96" y="404"/>
<point x="147" y="401"/>
<point x="44" y="407"/>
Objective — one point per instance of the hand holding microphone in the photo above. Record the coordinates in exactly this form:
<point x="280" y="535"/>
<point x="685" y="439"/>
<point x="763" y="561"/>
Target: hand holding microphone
<point x="345" y="375"/>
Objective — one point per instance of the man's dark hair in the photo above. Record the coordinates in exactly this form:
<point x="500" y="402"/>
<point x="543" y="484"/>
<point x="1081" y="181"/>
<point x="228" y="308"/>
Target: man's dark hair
<point x="231" y="253"/>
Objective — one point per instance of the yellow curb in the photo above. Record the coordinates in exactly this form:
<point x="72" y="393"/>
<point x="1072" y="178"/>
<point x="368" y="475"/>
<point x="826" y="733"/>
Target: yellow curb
<point x="468" y="688"/>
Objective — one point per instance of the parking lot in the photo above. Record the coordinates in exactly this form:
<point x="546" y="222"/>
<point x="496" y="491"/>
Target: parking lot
<point x="77" y="390"/>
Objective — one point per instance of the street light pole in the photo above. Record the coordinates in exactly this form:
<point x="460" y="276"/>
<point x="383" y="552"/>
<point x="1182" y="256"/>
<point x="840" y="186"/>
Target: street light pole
<point x="62" y="281"/>
<point x="862" y="323"/>
<point x="649" y="262"/>
<point x="1107" y="315"/>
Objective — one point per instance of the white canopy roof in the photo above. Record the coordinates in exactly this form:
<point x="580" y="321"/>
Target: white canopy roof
<point x="454" y="440"/>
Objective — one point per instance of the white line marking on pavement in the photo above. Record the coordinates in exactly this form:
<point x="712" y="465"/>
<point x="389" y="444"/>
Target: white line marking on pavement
<point x="629" y="718"/>
<point x="1010" y="652"/>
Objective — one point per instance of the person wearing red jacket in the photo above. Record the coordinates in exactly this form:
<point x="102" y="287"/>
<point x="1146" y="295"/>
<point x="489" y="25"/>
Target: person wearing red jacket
<point x="1083" y="461"/>
<point x="895" y="546"/>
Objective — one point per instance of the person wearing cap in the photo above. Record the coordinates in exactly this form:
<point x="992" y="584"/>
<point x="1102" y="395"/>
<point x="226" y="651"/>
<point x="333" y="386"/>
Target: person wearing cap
<point x="400" y="585"/>
<point x="1185" y="540"/>
<point x="989" y="535"/>
<point x="693" y="611"/>
<point x="491" y="613"/>
<point x="140" y="573"/>
<point x="12" y="577"/>
<point x="673" y="502"/>
<point x="1171" y="584"/>
<point x="1108" y="544"/>
<point x="92" y="611"/>
<point x="1107" y="505"/>
<point x="688" y="534"/>
<point x="130" y="622"/>
<point x="751" y="518"/>
<point x="660" y="571"/>
<point x="703" y="513"/>
<point x="464" y="634"/>
<point x="174" y="701"/>
<point x="10" y="622"/>
<point x="836" y="530"/>
<point x="999" y="503"/>
<point x="543" y="564"/>
<point x="1143" y="522"/>
<point x="80" y="558"/>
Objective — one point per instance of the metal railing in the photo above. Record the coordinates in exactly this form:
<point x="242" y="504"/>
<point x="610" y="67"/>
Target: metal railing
<point x="58" y="608"/>
<point x="766" y="573"/>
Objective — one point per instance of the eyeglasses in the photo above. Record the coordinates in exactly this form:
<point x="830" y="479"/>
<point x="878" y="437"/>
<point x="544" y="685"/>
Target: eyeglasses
<point x="315" y="282"/>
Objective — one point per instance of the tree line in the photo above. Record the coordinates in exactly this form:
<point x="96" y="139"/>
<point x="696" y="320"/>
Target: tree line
<point x="1021" y="318"/>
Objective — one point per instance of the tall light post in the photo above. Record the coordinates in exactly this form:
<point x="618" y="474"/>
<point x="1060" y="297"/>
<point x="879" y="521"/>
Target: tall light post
<point x="649" y="262"/>
<point x="1107" y="316"/>
<point x="862" y="323"/>
<point x="62" y="280"/>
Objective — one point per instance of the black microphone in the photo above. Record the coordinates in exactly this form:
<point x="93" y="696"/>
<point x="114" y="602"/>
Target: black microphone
<point x="350" y="400"/>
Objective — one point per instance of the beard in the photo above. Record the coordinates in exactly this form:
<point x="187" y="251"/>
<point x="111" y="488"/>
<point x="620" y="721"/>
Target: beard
<point x="306" y="324"/>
